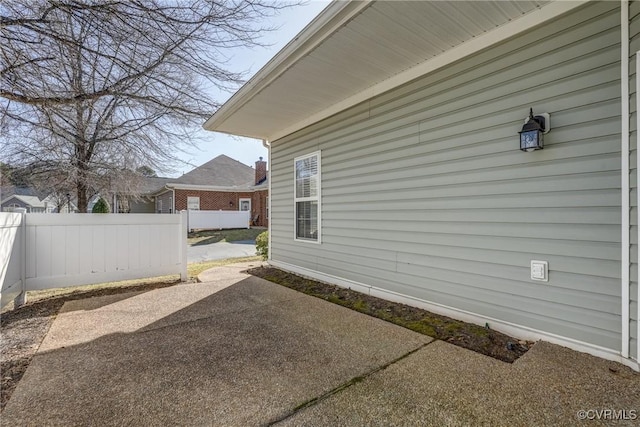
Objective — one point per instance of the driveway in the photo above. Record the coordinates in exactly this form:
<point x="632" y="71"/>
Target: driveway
<point x="221" y="250"/>
<point x="237" y="350"/>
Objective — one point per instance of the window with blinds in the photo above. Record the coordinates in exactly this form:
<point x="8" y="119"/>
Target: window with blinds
<point x="307" y="197"/>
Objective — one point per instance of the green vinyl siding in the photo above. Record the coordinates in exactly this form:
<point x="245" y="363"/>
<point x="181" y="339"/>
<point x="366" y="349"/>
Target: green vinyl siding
<point x="426" y="194"/>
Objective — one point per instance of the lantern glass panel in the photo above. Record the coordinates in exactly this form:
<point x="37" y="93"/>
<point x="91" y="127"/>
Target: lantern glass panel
<point x="531" y="140"/>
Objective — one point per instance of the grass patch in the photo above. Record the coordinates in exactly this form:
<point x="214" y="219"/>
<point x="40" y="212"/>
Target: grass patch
<point x="206" y="237"/>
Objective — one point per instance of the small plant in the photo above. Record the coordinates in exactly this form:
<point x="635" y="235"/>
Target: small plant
<point x="101" y="206"/>
<point x="262" y="245"/>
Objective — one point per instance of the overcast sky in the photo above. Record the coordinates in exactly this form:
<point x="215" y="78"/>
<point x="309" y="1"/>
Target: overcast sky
<point x="246" y="150"/>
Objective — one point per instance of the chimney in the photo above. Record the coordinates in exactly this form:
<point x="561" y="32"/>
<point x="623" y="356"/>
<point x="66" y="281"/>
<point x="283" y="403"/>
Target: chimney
<point x="261" y="171"/>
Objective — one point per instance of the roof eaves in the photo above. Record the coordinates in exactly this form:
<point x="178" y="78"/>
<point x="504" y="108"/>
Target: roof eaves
<point x="6" y="199"/>
<point x="526" y="22"/>
<point x="321" y="29"/>
<point x="178" y="186"/>
<point x="160" y="191"/>
<point x="332" y="18"/>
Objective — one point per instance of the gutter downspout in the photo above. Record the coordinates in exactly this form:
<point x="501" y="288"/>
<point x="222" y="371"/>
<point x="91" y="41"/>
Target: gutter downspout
<point x="625" y="203"/>
<point x="266" y="144"/>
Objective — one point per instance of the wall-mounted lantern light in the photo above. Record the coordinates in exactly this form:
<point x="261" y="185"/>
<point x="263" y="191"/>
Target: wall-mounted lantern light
<point x="532" y="133"/>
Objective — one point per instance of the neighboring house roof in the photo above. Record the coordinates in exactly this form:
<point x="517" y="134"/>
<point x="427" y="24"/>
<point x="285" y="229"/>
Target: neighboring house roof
<point x="222" y="171"/>
<point x="220" y="174"/>
<point x="151" y="185"/>
<point x="10" y="190"/>
<point x="353" y="51"/>
<point x="32" y="201"/>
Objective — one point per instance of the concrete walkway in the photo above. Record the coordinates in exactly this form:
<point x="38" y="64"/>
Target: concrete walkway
<point x="221" y="250"/>
<point x="237" y="350"/>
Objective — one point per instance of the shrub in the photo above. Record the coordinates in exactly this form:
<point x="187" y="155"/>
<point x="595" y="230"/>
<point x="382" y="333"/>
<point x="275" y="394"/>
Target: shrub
<point x="101" y="206"/>
<point x="262" y="245"/>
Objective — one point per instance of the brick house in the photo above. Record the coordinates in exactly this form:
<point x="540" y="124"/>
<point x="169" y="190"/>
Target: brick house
<point x="220" y="184"/>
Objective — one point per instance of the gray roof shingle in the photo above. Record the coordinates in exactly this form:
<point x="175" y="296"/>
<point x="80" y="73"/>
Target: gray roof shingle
<point x="153" y="184"/>
<point x="222" y="171"/>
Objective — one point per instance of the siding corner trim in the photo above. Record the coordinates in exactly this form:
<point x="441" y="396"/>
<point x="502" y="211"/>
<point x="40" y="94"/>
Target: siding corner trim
<point x="624" y="175"/>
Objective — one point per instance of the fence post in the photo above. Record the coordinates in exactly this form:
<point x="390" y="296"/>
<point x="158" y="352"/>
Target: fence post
<point x="21" y="299"/>
<point x="184" y="233"/>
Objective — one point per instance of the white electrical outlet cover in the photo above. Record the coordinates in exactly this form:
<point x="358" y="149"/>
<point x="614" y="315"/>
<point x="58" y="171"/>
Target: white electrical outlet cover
<point x="540" y="271"/>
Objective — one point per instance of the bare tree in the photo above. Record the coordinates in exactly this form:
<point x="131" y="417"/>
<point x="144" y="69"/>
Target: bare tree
<point x="92" y="90"/>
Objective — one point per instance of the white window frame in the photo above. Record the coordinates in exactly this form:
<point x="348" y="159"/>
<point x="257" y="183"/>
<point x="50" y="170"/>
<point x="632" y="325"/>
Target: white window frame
<point x="244" y="199"/>
<point x="317" y="198"/>
<point x="192" y="199"/>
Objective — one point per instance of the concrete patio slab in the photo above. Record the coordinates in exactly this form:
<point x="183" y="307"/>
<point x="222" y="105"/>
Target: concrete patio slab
<point x="445" y="385"/>
<point x="238" y="351"/>
<point x="131" y="312"/>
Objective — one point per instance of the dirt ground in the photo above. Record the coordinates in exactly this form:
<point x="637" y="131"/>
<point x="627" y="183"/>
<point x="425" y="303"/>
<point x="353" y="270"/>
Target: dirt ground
<point x="473" y="337"/>
<point x="24" y="328"/>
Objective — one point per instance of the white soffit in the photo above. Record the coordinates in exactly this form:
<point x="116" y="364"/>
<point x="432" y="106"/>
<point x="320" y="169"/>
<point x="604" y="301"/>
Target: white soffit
<point x="353" y="51"/>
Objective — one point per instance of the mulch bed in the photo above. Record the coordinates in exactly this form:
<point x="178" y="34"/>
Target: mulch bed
<point x="473" y="337"/>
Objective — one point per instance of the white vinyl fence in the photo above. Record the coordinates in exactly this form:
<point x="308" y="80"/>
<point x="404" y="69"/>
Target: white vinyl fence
<point x="42" y="251"/>
<point x="11" y="255"/>
<point x="218" y="220"/>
